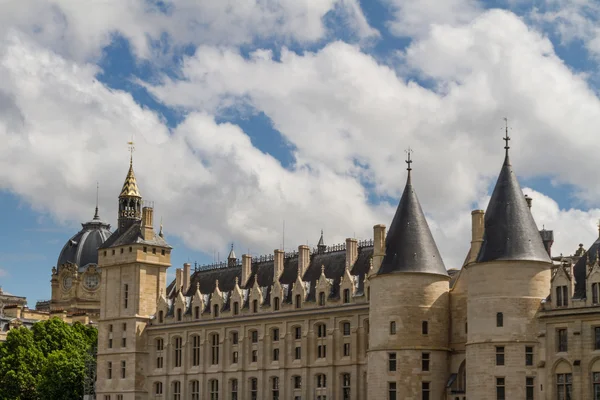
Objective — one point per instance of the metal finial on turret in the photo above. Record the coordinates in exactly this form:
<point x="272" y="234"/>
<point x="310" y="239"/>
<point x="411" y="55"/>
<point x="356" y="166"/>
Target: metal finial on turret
<point x="96" y="216"/>
<point x="506" y="137"/>
<point x="409" y="161"/>
<point x="160" y="232"/>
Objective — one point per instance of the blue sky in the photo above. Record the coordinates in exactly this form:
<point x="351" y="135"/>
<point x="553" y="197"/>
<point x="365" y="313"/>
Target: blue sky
<point x="245" y="118"/>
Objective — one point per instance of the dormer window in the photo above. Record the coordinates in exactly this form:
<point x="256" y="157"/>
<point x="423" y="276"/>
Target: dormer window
<point x="562" y="296"/>
<point x="595" y="292"/>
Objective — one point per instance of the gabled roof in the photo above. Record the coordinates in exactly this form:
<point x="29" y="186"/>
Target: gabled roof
<point x="133" y="235"/>
<point x="409" y="245"/>
<point x="510" y="231"/>
<point x="580" y="269"/>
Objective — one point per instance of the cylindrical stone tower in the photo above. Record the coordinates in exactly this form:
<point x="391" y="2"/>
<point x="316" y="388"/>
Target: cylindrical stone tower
<point x="508" y="281"/>
<point x="409" y="309"/>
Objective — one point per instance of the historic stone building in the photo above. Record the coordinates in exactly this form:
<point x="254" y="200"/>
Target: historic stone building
<point x="375" y="319"/>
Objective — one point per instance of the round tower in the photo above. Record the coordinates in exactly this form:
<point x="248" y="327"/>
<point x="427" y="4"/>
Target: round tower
<point x="409" y="308"/>
<point x="507" y="282"/>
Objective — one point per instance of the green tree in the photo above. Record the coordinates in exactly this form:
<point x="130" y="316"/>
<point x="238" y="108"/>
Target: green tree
<point x="20" y="366"/>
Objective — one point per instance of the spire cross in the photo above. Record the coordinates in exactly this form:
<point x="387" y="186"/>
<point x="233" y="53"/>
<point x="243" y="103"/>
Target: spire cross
<point x="506" y="137"/>
<point x="408" y="152"/>
<point x="131" y="149"/>
<point x="97" y="189"/>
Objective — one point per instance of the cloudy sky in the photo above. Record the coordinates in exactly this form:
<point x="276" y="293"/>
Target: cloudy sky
<point x="248" y="113"/>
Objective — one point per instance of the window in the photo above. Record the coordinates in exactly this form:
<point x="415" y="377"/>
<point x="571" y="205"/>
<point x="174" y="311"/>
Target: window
<point x="564" y="386"/>
<point x="234" y="389"/>
<point x="119" y="396"/>
<point x="158" y="388"/>
<point x="161" y="316"/>
<point x="298" y="301"/>
<point x="275" y="334"/>
<point x="425" y="390"/>
<point x="195" y="350"/>
<point x="215" y="350"/>
<point x="466" y="328"/>
<point x="254" y="306"/>
<point x="253" y="388"/>
<point x="216" y="310"/>
<point x="275" y="354"/>
<point x="425" y="361"/>
<point x="499" y="319"/>
<point x="321" y="330"/>
<point x="529" y="388"/>
<point x="346" y="296"/>
<point x="298" y="332"/>
<point x="162" y="252"/>
<point x="595" y="292"/>
<point x="561" y="342"/>
<point x="213" y="384"/>
<point x="528" y="355"/>
<point x="391" y="390"/>
<point x="321" y="351"/>
<point x="195" y="389"/>
<point x="346" y="328"/>
<point x="109" y="370"/>
<point x="236" y="308"/>
<point x="254" y="355"/>
<point x="425" y="328"/>
<point x="562" y="296"/>
<point x="176" y="390"/>
<point x="177" y="351"/>
<point x="106" y="396"/>
<point x="179" y="314"/>
<point x="276" y="304"/>
<point x="597" y="338"/>
<point x="321" y="298"/>
<point x="345" y="386"/>
<point x="500" y="395"/>
<point x="234" y="357"/>
<point x="297" y="353"/>
<point x="393" y="328"/>
<point x="391" y="362"/>
<point x="234" y="338"/>
<point x="499" y="355"/>
<point x="153" y="250"/>
<point x="126" y="295"/>
<point x="145" y="249"/>
<point x="160" y="345"/>
<point x="197" y="312"/>
<point x="123" y="369"/>
<point x="254" y="336"/>
<point x="346" y="349"/>
<point x="275" y="388"/>
<point x="596" y="384"/>
<point x="321" y="381"/>
<point x="297" y="382"/>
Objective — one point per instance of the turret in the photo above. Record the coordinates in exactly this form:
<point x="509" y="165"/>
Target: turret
<point x="130" y="201"/>
<point x="409" y="306"/>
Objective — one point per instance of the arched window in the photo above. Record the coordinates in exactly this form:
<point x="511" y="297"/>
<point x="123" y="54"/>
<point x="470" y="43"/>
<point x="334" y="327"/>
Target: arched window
<point x="177" y="351"/>
<point x="176" y="390"/>
<point x="195" y="350"/>
<point x="298" y="301"/>
<point x="499" y="319"/>
<point x="160" y="345"/>
<point x="275" y="388"/>
<point x="393" y="328"/>
<point x="195" y="389"/>
<point x="213" y="384"/>
<point x="158" y="390"/>
<point x="276" y="304"/>
<point x="345" y="386"/>
<point x="160" y="316"/>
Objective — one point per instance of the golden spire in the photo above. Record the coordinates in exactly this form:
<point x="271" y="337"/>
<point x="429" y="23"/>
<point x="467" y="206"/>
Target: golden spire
<point x="130" y="188"/>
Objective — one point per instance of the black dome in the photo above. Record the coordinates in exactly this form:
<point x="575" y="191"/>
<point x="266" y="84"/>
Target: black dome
<point x="82" y="249"/>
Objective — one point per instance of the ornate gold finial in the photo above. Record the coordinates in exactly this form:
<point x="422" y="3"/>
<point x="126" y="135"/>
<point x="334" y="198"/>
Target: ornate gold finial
<point x="130" y="188"/>
<point x="131" y="149"/>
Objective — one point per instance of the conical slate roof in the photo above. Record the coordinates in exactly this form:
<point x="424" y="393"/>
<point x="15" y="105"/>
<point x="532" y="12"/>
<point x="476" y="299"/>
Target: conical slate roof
<point x="409" y="245"/>
<point x="510" y="231"/>
<point x="130" y="188"/>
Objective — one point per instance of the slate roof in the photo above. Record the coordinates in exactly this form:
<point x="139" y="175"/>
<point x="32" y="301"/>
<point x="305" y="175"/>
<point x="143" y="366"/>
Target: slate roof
<point x="133" y="235"/>
<point x="510" y="231"/>
<point x="580" y="269"/>
<point x="409" y="245"/>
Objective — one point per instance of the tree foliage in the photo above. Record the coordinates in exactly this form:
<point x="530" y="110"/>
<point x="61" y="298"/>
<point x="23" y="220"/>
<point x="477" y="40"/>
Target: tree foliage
<point x="46" y="362"/>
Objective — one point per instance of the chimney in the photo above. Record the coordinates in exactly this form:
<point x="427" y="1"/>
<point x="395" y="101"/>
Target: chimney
<point x="303" y="259"/>
<point x="529" y="200"/>
<point x="147" y="228"/>
<point x="548" y="239"/>
<point x="351" y="252"/>
<point x="278" y="264"/>
<point x="378" y="246"/>
<point x="178" y="278"/>
<point x="246" y="268"/>
<point x="477" y="231"/>
<point x="187" y="270"/>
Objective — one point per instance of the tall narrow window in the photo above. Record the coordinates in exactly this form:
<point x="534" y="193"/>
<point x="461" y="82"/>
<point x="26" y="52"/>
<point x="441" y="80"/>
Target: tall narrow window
<point x="297" y="382"/>
<point x="321" y="381"/>
<point x="499" y="319"/>
<point x="596" y="384"/>
<point x="275" y="354"/>
<point x="109" y="370"/>
<point x="275" y="388"/>
<point x="499" y="355"/>
<point x="253" y="389"/>
<point x="500" y="389"/>
<point x="275" y="334"/>
<point x="215" y="350"/>
<point x="123" y="369"/>
<point x="236" y="308"/>
<point x="297" y="353"/>
<point x="597" y="338"/>
<point x="197" y="312"/>
<point x="346" y="296"/>
<point x="179" y="314"/>
<point x="124" y="336"/>
<point x="234" y="338"/>
<point x="391" y="362"/>
<point x="276" y="304"/>
<point x="177" y="351"/>
<point x="234" y="389"/>
<point x="125" y="295"/>
<point x="562" y="296"/>
<point x="321" y="330"/>
<point x="528" y="355"/>
<point x="392" y="391"/>
<point x="564" y="386"/>
<point x="254" y="306"/>
<point x="346" y="328"/>
<point x="158" y="389"/>
<point x="321" y="298"/>
<point x="425" y="328"/>
<point x="321" y="351"/>
<point x="425" y="390"/>
<point x="195" y="350"/>
<point x="345" y="386"/>
<point x="529" y="388"/>
<point x="195" y="389"/>
<point x="176" y="390"/>
<point x="216" y="310"/>
<point x="393" y="328"/>
<point x="161" y="317"/>
<point x="595" y="292"/>
<point x="254" y="336"/>
<point x="298" y="332"/>
<point x="160" y="345"/>
<point x="425" y="361"/>
<point x="346" y="350"/>
<point x="298" y="301"/>
<point x="561" y="336"/>
<point x="214" y="389"/>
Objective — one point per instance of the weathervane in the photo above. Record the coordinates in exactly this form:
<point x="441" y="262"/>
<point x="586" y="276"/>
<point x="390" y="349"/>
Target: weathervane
<point x="131" y="149"/>
<point x="408" y="152"/>
<point x="506" y="137"/>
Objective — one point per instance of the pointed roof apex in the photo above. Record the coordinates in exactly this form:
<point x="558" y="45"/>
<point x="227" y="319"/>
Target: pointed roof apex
<point x="321" y="241"/>
<point x="130" y="188"/>
<point x="510" y="231"/>
<point x="231" y="254"/>
<point x="409" y="245"/>
<point x="96" y="216"/>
